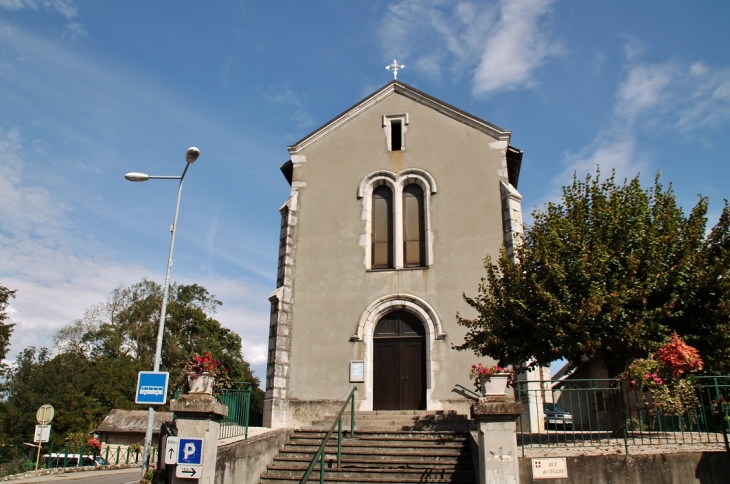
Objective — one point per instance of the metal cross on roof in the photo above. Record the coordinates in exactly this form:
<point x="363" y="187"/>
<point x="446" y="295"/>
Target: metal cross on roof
<point x="396" y="67"/>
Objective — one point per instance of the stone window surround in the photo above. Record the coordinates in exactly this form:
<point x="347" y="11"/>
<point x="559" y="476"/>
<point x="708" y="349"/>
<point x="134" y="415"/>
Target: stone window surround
<point x="366" y="327"/>
<point x="387" y="120"/>
<point x="396" y="183"/>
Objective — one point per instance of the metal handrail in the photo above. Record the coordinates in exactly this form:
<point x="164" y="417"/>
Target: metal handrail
<point x="321" y="452"/>
<point x="471" y="393"/>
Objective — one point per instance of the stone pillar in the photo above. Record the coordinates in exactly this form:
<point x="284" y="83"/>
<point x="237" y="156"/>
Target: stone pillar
<point x="199" y="416"/>
<point x="497" y="421"/>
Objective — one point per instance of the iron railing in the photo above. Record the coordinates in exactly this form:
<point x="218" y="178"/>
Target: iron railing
<point x="85" y="456"/>
<point x="238" y="401"/>
<point x="467" y="392"/>
<point x="603" y="412"/>
<point x="320" y="454"/>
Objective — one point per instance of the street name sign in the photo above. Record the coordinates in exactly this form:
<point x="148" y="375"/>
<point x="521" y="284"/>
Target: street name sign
<point x="549" y="468"/>
<point x="188" y="472"/>
<point x="171" y="450"/>
<point x="46" y="433"/>
<point x="152" y="387"/>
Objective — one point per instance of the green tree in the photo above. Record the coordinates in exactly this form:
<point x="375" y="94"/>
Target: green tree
<point x="608" y="274"/>
<point x="99" y="356"/>
<point x="705" y="324"/>
<point x="6" y="329"/>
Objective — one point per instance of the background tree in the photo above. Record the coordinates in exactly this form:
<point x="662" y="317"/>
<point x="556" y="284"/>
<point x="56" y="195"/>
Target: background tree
<point x="608" y="274"/>
<point x="6" y="329"/>
<point x="97" y="359"/>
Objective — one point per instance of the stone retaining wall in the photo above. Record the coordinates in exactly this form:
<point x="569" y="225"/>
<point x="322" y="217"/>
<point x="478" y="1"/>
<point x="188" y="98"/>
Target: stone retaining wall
<point x="679" y="468"/>
<point x="244" y="461"/>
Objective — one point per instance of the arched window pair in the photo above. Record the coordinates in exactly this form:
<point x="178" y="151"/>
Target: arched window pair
<point x="383" y="234"/>
<point x="398" y="220"/>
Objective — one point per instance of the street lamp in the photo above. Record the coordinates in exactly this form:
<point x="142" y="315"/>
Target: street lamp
<point x="190" y="156"/>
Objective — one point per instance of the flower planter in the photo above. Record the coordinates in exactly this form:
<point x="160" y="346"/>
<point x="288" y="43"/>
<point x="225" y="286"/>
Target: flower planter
<point x="202" y="384"/>
<point x="495" y="385"/>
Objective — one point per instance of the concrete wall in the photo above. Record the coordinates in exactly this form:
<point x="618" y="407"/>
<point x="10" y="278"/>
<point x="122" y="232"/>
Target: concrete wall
<point x="245" y="460"/>
<point x="684" y="468"/>
<point x="331" y="286"/>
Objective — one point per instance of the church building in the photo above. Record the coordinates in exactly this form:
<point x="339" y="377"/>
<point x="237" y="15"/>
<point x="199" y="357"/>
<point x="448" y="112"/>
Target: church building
<point x="394" y="205"/>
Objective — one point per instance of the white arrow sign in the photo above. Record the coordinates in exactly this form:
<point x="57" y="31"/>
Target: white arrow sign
<point x="188" y="472"/>
<point x="171" y="450"/>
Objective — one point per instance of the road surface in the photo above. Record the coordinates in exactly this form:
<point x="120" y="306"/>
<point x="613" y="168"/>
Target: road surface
<point x="116" y="476"/>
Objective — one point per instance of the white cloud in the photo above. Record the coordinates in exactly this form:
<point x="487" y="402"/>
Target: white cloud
<point x="516" y="49"/>
<point x="257" y="354"/>
<point x="284" y="95"/>
<point x="501" y="44"/>
<point x="67" y="8"/>
<point x="40" y="256"/>
<point x="655" y="97"/>
<point x="674" y="96"/>
<point x="27" y="210"/>
<point x="75" y="31"/>
<point x="645" y="87"/>
<point x="611" y="152"/>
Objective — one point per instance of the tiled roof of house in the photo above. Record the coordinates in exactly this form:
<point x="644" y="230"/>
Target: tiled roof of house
<point x="131" y="421"/>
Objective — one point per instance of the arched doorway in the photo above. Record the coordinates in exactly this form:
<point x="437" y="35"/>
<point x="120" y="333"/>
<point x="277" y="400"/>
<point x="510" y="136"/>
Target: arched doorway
<point x="399" y="363"/>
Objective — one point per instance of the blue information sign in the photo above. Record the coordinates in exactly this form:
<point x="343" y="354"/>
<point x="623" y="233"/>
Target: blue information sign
<point x="152" y="387"/>
<point x="190" y="451"/>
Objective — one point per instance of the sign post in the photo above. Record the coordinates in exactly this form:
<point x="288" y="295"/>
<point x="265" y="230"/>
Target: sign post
<point x="44" y="415"/>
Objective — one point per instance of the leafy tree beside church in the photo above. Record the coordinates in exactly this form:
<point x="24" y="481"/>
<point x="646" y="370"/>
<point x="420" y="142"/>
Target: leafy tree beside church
<point x="609" y="273"/>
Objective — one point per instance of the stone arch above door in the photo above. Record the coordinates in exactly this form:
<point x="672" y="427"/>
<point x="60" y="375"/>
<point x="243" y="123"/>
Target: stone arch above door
<point x="366" y="328"/>
<point x="407" y="302"/>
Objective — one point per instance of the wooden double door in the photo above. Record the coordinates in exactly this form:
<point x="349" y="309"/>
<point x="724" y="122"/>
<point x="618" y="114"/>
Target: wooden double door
<point x="399" y="363"/>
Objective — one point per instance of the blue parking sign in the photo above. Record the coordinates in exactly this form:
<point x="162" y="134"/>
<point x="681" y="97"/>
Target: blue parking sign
<point x="190" y="451"/>
<point x="152" y="387"/>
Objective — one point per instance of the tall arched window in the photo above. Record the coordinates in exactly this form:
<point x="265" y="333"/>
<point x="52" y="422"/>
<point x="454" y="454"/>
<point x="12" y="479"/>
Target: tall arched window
<point x="414" y="234"/>
<point x="382" y="228"/>
<point x="397" y="221"/>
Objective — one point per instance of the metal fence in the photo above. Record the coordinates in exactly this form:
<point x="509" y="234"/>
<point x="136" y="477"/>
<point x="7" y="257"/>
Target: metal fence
<point x="238" y="401"/>
<point x="598" y="412"/>
<point x="84" y="456"/>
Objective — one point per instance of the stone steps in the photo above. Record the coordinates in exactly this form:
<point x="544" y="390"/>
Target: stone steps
<point x="390" y="455"/>
<point x="401" y="420"/>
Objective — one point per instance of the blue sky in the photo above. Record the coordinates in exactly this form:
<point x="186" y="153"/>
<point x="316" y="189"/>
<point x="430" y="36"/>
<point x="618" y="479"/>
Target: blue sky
<point x="91" y="90"/>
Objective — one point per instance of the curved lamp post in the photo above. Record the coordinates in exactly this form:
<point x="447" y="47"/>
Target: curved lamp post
<point x="190" y="156"/>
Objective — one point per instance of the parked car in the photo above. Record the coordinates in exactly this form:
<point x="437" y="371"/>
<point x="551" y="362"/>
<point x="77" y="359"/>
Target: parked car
<point x="557" y="417"/>
<point x="70" y="460"/>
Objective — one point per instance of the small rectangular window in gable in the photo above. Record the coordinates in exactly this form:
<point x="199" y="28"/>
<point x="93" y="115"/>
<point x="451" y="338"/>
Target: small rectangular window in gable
<point x="395" y="135"/>
<point x="395" y="127"/>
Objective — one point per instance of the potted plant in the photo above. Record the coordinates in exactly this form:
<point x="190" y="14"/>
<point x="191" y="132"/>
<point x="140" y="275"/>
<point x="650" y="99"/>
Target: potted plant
<point x="666" y="377"/>
<point x="206" y="375"/>
<point x="493" y="380"/>
<point x="135" y="449"/>
<point x="95" y="444"/>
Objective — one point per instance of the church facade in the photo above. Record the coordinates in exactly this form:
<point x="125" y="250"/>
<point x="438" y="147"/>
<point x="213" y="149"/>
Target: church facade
<point x="394" y="205"/>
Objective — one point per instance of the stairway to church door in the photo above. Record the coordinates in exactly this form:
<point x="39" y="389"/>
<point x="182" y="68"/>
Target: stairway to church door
<point x="399" y="363"/>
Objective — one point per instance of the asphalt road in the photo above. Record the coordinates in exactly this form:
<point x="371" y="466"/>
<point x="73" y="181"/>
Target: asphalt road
<point x="117" y="476"/>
